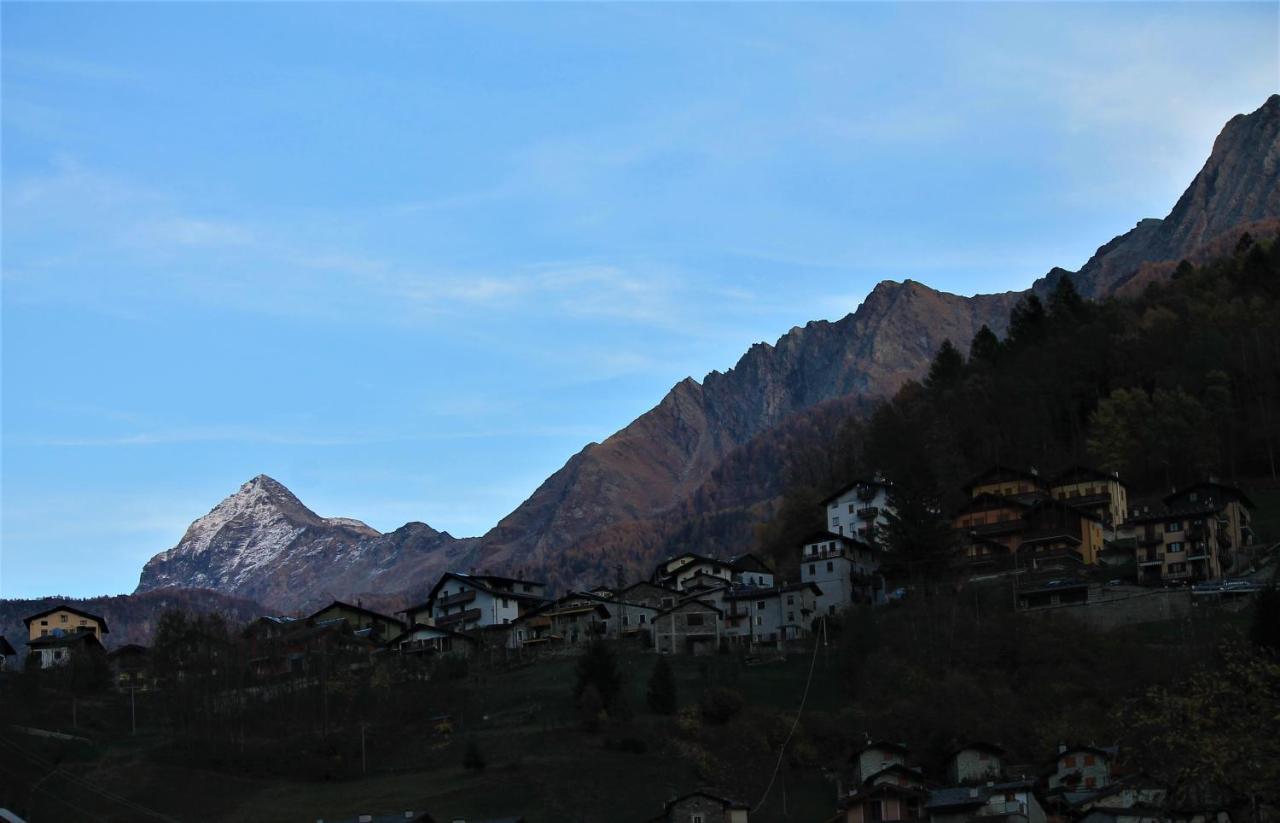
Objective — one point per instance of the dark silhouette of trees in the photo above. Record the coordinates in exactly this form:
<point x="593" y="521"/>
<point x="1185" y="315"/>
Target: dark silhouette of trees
<point x="661" y="694"/>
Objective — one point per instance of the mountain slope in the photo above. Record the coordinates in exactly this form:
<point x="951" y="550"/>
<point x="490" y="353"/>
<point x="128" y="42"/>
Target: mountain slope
<point x="262" y="542"/>
<point x="666" y="453"/>
<point x="1239" y="184"/>
<point x="622" y="500"/>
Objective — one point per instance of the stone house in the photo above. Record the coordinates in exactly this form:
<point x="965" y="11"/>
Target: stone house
<point x="975" y="762"/>
<point x="770" y="615"/>
<point x="882" y="803"/>
<point x="702" y="806"/>
<point x="876" y="756"/>
<point x="692" y="627"/>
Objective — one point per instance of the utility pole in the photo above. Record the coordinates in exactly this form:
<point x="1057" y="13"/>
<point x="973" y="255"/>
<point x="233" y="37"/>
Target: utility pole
<point x="133" y="711"/>
<point x="364" y="763"/>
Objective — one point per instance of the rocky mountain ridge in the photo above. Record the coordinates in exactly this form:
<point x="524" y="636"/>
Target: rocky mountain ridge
<point x="600" y="506"/>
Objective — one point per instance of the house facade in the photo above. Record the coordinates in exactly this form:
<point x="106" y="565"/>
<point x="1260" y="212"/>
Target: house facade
<point x="860" y="510"/>
<point x="1081" y="767"/>
<point x="703" y="807"/>
<point x="845" y="570"/>
<point x="464" y="602"/>
<point x="63" y="619"/>
<point x="1104" y="495"/>
<point x="379" y="626"/>
<point x="975" y="763"/>
<point x="770" y="615"/>
<point x="692" y="627"/>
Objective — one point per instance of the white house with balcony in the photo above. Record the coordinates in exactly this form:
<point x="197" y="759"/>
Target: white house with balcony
<point x="465" y="602"/>
<point x="860" y="510"/>
<point x="846" y="570"/>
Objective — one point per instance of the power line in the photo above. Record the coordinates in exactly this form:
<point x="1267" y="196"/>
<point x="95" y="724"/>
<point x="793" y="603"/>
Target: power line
<point x="85" y="784"/>
<point x="783" y="751"/>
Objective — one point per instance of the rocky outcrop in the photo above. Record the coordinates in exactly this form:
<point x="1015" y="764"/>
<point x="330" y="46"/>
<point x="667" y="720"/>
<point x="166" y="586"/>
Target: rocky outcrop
<point x="263" y="543"/>
<point x="659" y="459"/>
<point x="1239" y="184"/>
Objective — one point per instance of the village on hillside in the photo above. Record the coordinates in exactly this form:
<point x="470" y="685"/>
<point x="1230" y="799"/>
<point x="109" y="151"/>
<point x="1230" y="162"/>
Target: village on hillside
<point x="1076" y="543"/>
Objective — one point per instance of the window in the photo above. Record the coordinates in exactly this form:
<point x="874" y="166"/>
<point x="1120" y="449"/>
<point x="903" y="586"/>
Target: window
<point x="1173" y="526"/>
<point x="830" y="566"/>
<point x="850" y="508"/>
<point x="1089" y="760"/>
<point x="835" y="521"/>
<point x="44" y="622"/>
<point x="63" y="618"/>
<point x="1175" y="547"/>
<point x="505" y="604"/>
<point x="644" y="618"/>
<point x="760" y="604"/>
<point x="695" y="818"/>
<point x="668" y="602"/>
<point x="831" y="609"/>
<point x="693" y="620"/>
<point x="759" y="619"/>
<point x="1090" y="782"/>
<point x="791" y="600"/>
<point x="791" y="617"/>
<point x="874" y="811"/>
<point x="626" y="620"/>
<point x="813" y="568"/>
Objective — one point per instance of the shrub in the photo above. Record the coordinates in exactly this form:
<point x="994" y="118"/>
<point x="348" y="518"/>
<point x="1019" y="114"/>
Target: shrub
<point x="720" y="705"/>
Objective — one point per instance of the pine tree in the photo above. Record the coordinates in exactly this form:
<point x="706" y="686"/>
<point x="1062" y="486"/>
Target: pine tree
<point x="1265" y="629"/>
<point x="985" y="347"/>
<point x="662" y="688"/>
<point x="947" y="368"/>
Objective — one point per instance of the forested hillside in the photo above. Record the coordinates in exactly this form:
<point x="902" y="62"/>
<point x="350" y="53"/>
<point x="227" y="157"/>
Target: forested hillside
<point x="1170" y="386"/>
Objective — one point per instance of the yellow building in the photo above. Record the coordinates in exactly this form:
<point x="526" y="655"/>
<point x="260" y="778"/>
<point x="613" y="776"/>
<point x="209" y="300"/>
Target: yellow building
<point x="1104" y="495"/>
<point x="62" y="620"/>
<point x="1004" y="481"/>
<point x="358" y="618"/>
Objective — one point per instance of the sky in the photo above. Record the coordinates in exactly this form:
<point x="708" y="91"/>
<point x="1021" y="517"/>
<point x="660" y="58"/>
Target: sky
<point x="408" y="259"/>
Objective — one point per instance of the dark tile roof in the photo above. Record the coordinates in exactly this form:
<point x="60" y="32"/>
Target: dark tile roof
<point x="848" y="487"/>
<point x="1082" y="474"/>
<point x="1220" y="492"/>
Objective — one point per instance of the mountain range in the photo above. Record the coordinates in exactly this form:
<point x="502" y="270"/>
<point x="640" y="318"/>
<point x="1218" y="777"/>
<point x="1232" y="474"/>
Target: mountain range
<point x="701" y="452"/>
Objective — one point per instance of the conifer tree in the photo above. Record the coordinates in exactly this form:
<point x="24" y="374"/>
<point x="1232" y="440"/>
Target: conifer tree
<point x="661" y="694"/>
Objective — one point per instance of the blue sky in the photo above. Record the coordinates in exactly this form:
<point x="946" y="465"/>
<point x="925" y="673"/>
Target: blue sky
<point x="407" y="259"/>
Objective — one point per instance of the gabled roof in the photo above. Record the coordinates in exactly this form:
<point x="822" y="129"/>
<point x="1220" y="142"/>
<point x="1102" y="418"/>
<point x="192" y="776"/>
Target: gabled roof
<point x="823" y="537"/>
<point x="490" y="579"/>
<point x="749" y="563"/>
<point x="1081" y="473"/>
<point x="1082" y="749"/>
<point x="70" y="639"/>
<point x="723" y="801"/>
<point x="987" y="501"/>
<point x="128" y="649"/>
<point x="898" y="768"/>
<point x="979" y="746"/>
<point x="883" y="746"/>
<point x="1000" y="473"/>
<point x="417" y="627"/>
<point x="360" y="609"/>
<point x="686" y="603"/>
<point x="479" y="583"/>
<point x="63" y="607"/>
<point x="1214" y="491"/>
<point x="848" y="487"/>
<point x="868" y="792"/>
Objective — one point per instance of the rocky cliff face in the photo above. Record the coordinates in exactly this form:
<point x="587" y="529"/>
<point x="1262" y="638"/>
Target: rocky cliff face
<point x="654" y="463"/>
<point x="263" y="543"/>
<point x="1238" y="185"/>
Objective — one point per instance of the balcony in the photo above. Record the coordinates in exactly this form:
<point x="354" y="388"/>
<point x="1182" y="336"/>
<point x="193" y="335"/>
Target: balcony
<point x="456" y="599"/>
<point x="868" y="512"/>
<point x="469" y="616"/>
